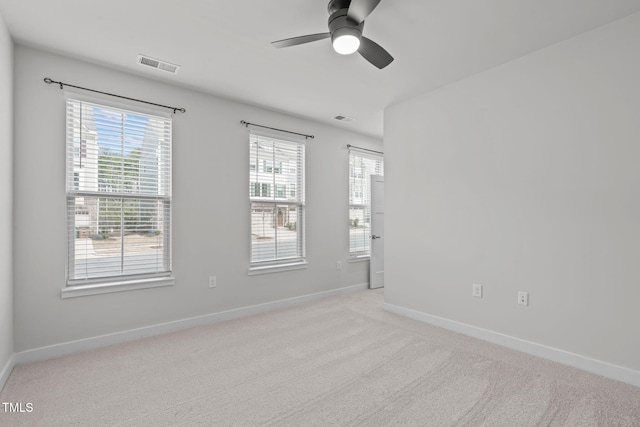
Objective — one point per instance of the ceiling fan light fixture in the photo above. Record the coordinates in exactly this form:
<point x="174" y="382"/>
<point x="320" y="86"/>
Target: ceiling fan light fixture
<point x="346" y="40"/>
<point x="346" y="25"/>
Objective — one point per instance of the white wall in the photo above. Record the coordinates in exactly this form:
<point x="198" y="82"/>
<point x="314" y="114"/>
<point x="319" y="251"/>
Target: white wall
<point x="6" y="197"/>
<point x="210" y="208"/>
<point x="525" y="177"/>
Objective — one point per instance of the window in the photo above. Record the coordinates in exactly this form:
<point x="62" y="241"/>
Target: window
<point x="268" y="166"/>
<point x="118" y="190"/>
<point x="361" y="167"/>
<point x="277" y="217"/>
<point x="260" y="189"/>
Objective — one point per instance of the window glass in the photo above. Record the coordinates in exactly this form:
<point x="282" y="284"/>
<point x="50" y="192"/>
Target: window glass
<point x="118" y="193"/>
<point x="277" y="200"/>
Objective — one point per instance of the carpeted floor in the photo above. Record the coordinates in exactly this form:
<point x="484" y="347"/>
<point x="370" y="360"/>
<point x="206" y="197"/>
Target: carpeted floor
<point x="337" y="362"/>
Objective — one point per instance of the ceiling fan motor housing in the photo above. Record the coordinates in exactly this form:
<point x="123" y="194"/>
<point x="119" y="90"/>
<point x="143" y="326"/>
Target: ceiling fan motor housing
<point x="336" y="5"/>
<point x="340" y="23"/>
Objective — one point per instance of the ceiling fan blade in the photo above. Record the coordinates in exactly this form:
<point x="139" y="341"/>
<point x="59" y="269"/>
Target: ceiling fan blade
<point x="374" y="53"/>
<point x="360" y="9"/>
<point x="294" y="41"/>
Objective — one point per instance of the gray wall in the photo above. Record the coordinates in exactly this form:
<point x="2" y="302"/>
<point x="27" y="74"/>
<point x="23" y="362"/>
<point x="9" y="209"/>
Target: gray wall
<point x="6" y="194"/>
<point x="210" y="208"/>
<point x="525" y="177"/>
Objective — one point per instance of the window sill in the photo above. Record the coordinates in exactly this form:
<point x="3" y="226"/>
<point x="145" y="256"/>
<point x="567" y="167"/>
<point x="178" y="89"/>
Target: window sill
<point x="106" y="288"/>
<point x="277" y="268"/>
<point x="361" y="258"/>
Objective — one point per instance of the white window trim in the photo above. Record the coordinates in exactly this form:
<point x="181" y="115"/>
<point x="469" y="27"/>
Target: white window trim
<point x="277" y="268"/>
<point x="100" y="286"/>
<point x="116" y="286"/>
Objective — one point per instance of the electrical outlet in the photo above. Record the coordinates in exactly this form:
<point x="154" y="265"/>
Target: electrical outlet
<point x="212" y="282"/>
<point x="523" y="298"/>
<point x="339" y="265"/>
<point x="477" y="290"/>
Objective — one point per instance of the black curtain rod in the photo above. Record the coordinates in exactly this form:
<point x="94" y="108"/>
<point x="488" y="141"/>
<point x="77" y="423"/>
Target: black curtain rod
<point x="365" y="149"/>
<point x="247" y="124"/>
<point x="48" y="81"/>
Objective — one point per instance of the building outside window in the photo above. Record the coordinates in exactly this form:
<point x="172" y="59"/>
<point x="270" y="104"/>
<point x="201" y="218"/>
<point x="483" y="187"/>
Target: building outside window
<point x="259" y="189"/>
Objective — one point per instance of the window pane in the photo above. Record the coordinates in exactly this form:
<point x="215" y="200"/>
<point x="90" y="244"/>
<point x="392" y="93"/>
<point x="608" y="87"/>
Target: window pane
<point x="118" y="151"/>
<point x="359" y="229"/>
<point x="143" y="238"/>
<point x="263" y="232"/>
<point x="289" y="242"/>
<point x="274" y="232"/>
<point x="114" y="236"/>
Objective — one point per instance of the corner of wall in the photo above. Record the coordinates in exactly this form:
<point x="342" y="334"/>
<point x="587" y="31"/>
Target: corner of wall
<point x="6" y="203"/>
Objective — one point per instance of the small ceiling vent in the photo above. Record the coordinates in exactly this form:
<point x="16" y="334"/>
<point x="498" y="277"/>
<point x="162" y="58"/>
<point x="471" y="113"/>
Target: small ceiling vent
<point x="147" y="61"/>
<point x="345" y="119"/>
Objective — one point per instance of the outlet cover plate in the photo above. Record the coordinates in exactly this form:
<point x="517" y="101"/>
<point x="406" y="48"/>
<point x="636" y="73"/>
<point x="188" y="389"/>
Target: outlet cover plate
<point x="523" y="298"/>
<point x="477" y="290"/>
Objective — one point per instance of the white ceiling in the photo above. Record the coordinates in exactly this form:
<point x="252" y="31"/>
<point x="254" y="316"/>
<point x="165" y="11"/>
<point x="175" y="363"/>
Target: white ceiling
<point x="224" y="46"/>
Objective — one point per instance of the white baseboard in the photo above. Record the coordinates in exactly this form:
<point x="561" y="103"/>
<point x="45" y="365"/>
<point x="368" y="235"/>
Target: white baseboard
<point x="594" y="366"/>
<point x="6" y="371"/>
<point x="57" y="350"/>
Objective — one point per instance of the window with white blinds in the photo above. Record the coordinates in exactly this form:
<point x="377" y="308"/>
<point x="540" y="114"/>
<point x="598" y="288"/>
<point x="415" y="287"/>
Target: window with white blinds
<point x="276" y="194"/>
<point x="118" y="187"/>
<point x="361" y="167"/>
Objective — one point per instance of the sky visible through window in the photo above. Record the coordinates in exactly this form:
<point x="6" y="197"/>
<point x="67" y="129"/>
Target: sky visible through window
<point x="111" y="136"/>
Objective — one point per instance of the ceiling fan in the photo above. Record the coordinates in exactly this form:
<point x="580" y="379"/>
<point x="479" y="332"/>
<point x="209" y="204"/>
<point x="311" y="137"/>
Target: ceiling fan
<point x="346" y="22"/>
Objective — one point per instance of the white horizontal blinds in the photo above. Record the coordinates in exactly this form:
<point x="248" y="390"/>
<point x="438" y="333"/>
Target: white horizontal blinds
<point x="361" y="167"/>
<point x="276" y="192"/>
<point x="118" y="193"/>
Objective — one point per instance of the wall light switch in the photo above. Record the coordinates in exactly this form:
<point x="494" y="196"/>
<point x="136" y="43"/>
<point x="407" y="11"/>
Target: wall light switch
<point x="212" y="282"/>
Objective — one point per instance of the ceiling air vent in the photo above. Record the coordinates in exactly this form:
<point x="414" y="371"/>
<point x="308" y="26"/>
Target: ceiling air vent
<point x="147" y="61"/>
<point x="344" y="118"/>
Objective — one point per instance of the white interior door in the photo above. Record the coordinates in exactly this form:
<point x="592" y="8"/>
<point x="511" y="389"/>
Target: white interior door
<point x="376" y="265"/>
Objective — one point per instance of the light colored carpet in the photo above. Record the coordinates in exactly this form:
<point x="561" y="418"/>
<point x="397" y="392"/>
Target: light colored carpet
<point x="337" y="362"/>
